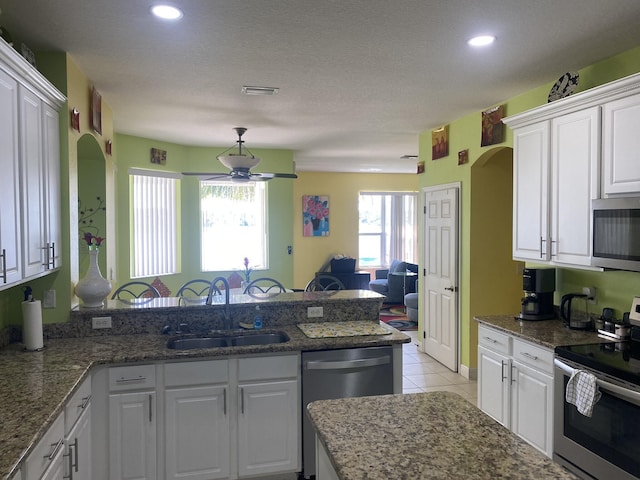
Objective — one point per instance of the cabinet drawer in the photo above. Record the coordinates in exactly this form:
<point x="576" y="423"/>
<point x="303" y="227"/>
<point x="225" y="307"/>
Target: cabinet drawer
<point x="196" y="373"/>
<point x="135" y="377"/>
<point x="46" y="450"/>
<point x="535" y="356"/>
<point x="493" y="339"/>
<point x="264" y="368"/>
<point x="77" y="404"/>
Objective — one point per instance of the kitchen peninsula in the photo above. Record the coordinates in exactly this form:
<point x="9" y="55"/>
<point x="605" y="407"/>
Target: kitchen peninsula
<point x="436" y="435"/>
<point x="35" y="387"/>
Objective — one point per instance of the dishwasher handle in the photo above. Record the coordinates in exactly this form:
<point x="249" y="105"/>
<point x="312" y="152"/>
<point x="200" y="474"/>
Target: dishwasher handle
<point x="347" y="364"/>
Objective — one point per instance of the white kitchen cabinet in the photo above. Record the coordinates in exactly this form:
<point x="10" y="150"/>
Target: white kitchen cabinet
<point x="10" y="238"/>
<point x="621" y="146"/>
<point x="324" y="467"/>
<point x="77" y="422"/>
<point x="531" y="192"/>
<point x="269" y="423"/>
<point x="515" y="386"/>
<point x="132" y="423"/>
<point x="196" y="420"/>
<point x="46" y="459"/>
<point x="30" y="223"/>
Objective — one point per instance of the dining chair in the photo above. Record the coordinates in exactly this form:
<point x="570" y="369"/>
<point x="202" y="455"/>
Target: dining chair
<point x="323" y="282"/>
<point x="264" y="285"/>
<point x="134" y="290"/>
<point x="194" y="288"/>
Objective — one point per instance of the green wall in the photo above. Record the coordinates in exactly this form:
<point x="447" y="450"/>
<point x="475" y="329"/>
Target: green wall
<point x="614" y="289"/>
<point x="135" y="152"/>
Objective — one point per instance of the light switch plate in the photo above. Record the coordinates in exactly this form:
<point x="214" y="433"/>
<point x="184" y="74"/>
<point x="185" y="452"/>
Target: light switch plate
<point x="100" y="322"/>
<point x="49" y="300"/>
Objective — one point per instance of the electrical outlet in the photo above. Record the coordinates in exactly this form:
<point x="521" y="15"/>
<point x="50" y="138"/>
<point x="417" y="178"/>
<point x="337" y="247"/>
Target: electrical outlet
<point x="314" y="312"/>
<point x="101" y="322"/>
<point x="49" y="300"/>
<point x="590" y="292"/>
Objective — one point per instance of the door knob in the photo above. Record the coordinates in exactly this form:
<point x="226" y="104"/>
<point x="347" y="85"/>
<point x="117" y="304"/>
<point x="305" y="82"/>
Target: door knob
<point x="452" y="289"/>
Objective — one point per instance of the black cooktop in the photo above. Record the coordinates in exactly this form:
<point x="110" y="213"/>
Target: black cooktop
<point x="617" y="359"/>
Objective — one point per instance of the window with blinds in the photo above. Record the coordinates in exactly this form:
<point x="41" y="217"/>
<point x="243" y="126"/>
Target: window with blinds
<point x="154" y="223"/>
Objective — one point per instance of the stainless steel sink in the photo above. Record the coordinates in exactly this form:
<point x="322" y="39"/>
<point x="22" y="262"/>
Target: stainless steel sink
<point x="259" y="339"/>
<point x="236" y="340"/>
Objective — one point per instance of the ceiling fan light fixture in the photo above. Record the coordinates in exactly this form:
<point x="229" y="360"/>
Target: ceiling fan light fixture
<point x="235" y="161"/>
<point x="265" y="91"/>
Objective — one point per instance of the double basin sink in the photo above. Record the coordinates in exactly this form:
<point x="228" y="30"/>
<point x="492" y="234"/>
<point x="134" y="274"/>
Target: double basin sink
<point x="227" y="340"/>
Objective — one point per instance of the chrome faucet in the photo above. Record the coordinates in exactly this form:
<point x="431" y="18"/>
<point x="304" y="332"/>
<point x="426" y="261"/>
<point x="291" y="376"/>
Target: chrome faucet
<point x="213" y="289"/>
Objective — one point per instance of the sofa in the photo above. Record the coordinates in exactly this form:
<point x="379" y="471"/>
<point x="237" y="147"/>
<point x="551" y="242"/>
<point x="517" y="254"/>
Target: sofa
<point x="396" y="281"/>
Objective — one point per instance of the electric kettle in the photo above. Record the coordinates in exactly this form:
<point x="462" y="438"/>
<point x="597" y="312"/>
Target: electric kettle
<point x="576" y="320"/>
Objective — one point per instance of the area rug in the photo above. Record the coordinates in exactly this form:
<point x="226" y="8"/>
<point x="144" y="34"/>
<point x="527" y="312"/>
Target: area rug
<point x="395" y="316"/>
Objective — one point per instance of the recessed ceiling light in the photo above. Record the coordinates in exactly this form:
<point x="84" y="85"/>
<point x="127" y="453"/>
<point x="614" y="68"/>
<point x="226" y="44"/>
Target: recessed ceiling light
<point x="260" y="90"/>
<point x="481" y="40"/>
<point x="167" y="12"/>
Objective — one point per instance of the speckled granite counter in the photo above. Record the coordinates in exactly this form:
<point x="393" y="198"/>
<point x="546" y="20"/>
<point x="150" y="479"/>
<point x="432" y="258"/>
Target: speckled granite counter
<point x="423" y="436"/>
<point x="548" y="333"/>
<point x="34" y="386"/>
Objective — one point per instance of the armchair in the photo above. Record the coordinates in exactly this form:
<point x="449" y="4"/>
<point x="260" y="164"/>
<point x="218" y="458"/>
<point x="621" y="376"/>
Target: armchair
<point x="396" y="281"/>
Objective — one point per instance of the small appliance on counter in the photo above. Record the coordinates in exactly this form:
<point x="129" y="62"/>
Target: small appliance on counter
<point x="538" y="285"/>
<point x="573" y="318"/>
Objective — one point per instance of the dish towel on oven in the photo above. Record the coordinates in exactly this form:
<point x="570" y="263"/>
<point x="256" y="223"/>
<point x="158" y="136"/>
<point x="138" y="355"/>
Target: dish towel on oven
<point x="582" y="391"/>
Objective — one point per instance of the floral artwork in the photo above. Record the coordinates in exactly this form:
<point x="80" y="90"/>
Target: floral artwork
<point x="492" y="126"/>
<point x="315" y="215"/>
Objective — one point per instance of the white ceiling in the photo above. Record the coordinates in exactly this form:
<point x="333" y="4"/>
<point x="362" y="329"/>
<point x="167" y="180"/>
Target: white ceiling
<point x="358" y="79"/>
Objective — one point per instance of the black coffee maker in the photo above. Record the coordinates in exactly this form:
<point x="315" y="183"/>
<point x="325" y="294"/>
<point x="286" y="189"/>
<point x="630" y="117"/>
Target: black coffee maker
<point x="538" y="285"/>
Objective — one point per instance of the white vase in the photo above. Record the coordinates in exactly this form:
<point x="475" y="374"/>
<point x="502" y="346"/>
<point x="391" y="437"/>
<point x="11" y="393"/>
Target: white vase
<point x="93" y="288"/>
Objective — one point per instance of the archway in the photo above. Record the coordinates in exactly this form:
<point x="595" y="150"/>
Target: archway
<point x="91" y="198"/>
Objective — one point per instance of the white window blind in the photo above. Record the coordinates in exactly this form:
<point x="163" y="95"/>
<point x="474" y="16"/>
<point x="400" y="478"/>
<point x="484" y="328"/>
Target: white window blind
<point x="154" y="223"/>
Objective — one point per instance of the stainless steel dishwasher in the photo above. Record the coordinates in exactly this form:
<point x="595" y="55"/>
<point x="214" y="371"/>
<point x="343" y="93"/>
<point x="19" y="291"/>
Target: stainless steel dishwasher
<point x="328" y="374"/>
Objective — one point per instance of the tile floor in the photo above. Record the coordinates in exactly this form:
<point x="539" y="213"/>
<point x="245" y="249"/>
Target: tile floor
<point x="422" y="373"/>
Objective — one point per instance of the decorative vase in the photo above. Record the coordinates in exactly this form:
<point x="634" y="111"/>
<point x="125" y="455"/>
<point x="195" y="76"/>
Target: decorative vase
<point x="93" y="288"/>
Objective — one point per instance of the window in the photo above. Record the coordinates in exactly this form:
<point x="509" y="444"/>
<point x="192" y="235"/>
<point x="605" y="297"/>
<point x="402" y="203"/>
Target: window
<point x="154" y="229"/>
<point x="388" y="228"/>
<point x="234" y="226"/>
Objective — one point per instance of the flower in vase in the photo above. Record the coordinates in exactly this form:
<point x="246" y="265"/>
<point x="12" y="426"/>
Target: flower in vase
<point x="247" y="270"/>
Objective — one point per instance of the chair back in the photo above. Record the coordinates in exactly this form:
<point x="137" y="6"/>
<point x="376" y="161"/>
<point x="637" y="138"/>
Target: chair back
<point x="194" y="288"/>
<point x="135" y="290"/>
<point x="323" y="282"/>
<point x="264" y="285"/>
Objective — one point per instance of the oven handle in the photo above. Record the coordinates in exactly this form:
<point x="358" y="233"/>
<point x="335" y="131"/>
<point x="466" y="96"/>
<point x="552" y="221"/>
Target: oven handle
<point x="618" y="391"/>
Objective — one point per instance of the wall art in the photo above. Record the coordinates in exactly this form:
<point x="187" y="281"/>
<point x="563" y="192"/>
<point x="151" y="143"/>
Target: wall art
<point x="75" y="119"/>
<point x="440" y="142"/>
<point x="315" y="215"/>
<point x="159" y="157"/>
<point x="95" y="113"/>
<point x="463" y="157"/>
<point x="492" y="126"/>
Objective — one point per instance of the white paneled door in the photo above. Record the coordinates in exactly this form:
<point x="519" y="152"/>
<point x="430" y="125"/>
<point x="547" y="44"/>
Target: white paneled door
<point x="440" y="285"/>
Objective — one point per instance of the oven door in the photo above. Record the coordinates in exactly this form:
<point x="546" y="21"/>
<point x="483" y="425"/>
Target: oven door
<point x="605" y="445"/>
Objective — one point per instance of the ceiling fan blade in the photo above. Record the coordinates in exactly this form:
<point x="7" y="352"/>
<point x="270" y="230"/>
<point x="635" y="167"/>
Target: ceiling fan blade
<point x="207" y="175"/>
<point x="268" y="176"/>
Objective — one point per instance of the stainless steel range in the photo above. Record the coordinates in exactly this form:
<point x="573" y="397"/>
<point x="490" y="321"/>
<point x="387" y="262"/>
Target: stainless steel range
<point x="607" y="444"/>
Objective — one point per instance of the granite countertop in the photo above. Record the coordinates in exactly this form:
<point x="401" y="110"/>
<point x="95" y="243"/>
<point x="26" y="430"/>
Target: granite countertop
<point x="34" y="386"/>
<point x="436" y="435"/>
<point x="548" y="333"/>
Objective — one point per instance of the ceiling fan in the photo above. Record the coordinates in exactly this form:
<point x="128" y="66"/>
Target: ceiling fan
<point x="240" y="165"/>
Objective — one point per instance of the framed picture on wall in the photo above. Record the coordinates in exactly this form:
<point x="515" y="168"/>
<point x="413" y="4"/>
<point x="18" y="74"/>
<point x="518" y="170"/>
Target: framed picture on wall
<point x="95" y="115"/>
<point x="315" y="215"/>
<point x="492" y="126"/>
<point x="440" y="142"/>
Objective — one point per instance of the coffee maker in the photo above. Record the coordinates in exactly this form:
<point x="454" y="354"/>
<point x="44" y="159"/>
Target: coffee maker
<point x="538" y="285"/>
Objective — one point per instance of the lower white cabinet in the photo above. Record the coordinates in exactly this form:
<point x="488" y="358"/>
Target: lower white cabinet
<point x="46" y="459"/>
<point x="324" y="467"/>
<point x="77" y="434"/>
<point x="515" y="386"/>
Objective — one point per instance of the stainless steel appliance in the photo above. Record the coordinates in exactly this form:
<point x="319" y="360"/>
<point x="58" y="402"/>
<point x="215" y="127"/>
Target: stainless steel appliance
<point x="354" y="372"/>
<point x="538" y="285"/>
<point x="607" y="444"/>
<point x="616" y="229"/>
<point x="575" y="319"/>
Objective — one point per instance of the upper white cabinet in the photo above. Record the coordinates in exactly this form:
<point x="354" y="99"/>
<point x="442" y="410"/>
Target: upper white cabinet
<point x="30" y="230"/>
<point x="621" y="153"/>
<point x="566" y="154"/>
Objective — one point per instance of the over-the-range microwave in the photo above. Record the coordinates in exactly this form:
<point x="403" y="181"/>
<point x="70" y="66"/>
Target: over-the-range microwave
<point x="616" y="233"/>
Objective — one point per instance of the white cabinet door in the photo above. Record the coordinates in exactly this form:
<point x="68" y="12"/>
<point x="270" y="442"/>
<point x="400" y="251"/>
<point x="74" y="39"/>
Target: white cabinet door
<point x="532" y="407"/>
<point x="10" y="243"/>
<point x="197" y="433"/>
<point x="493" y="385"/>
<point x="132" y="436"/>
<point x="268" y="423"/>
<point x="78" y="464"/>
<point x="621" y="146"/>
<point x="33" y="177"/>
<point x="51" y="152"/>
<point x="575" y="160"/>
<point x="530" y="192"/>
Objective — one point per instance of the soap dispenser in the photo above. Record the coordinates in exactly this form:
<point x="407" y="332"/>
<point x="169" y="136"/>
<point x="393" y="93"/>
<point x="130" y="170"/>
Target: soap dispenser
<point x="257" y="320"/>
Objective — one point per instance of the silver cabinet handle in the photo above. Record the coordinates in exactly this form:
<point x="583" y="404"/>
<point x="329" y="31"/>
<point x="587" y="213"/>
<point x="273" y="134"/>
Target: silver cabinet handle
<point x="53" y="255"/>
<point x="150" y="408"/>
<point x="513" y="376"/>
<point x="4" y="265"/>
<point x="528" y="355"/>
<point x="224" y="401"/>
<point x="492" y="340"/>
<point x="55" y="447"/>
<point x="75" y="454"/>
<point x="85" y="402"/>
<point x="542" y="240"/>
<point x="242" y="400"/>
<point x="131" y="379"/>
<point x="68" y="457"/>
<point x="502" y="371"/>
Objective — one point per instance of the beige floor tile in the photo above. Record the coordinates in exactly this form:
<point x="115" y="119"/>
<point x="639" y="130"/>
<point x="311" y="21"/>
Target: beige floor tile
<point x="428" y="380"/>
